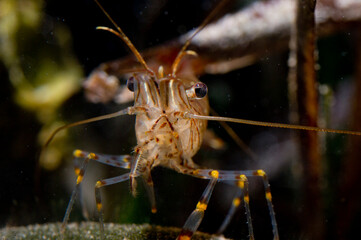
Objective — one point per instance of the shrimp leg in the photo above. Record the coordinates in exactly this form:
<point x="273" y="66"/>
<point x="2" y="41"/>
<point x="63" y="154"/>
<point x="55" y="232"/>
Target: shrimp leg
<point x="241" y="178"/>
<point x="122" y="161"/>
<point x="195" y="219"/>
<point x="98" y="200"/>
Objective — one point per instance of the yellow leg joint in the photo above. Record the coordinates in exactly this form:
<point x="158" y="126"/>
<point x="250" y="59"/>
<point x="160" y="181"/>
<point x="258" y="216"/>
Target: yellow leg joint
<point x="215" y="174"/>
<point x="78" y="153"/>
<point x="154" y="210"/>
<point x="92" y="156"/>
<point x="268" y="196"/>
<point x="99" y="184"/>
<point x="184" y="237"/>
<point x="99" y="207"/>
<point x="77" y="171"/>
<point x="79" y="179"/>
<point x="201" y="206"/>
<point x="240" y="184"/>
<point x="243" y="177"/>
<point x="236" y="202"/>
<point x="261" y="173"/>
<point x="246" y="199"/>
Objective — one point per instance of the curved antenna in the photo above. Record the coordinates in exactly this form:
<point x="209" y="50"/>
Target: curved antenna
<point x="183" y="51"/>
<point x="94" y="119"/>
<point x="124" y="37"/>
<point x="269" y="124"/>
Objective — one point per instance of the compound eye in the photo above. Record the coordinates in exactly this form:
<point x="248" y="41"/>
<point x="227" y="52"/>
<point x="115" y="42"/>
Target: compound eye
<point x="198" y="90"/>
<point x="130" y="84"/>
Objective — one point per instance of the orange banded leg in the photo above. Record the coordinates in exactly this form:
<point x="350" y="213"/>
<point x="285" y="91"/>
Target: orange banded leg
<point x="235" y="204"/>
<point x="195" y="219"/>
<point x="98" y="199"/>
<point x="243" y="185"/>
<point x="149" y="186"/>
<point x="237" y="176"/>
<point x="268" y="194"/>
<point x="121" y="161"/>
<point x="80" y="175"/>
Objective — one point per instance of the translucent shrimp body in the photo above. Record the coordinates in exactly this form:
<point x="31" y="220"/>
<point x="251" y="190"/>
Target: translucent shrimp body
<point x="165" y="137"/>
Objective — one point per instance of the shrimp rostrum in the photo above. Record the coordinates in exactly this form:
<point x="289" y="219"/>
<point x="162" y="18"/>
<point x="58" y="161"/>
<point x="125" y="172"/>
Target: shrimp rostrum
<point x="171" y="119"/>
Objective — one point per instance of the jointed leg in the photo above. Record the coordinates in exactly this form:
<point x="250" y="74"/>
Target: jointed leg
<point x="80" y="176"/>
<point x="268" y="194"/>
<point x="119" y="161"/>
<point x="149" y="186"/>
<point x="194" y="220"/>
<point x="241" y="176"/>
<point x="235" y="204"/>
<point x="242" y="183"/>
<point x="98" y="200"/>
<point x="122" y="161"/>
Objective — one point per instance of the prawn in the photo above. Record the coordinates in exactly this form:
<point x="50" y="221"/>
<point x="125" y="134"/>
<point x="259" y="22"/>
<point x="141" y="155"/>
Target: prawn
<point x="172" y="111"/>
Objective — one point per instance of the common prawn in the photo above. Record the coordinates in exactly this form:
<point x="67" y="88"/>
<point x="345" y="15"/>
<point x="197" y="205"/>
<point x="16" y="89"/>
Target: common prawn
<point x="172" y="113"/>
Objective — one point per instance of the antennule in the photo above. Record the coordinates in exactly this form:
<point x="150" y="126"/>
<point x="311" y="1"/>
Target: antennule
<point x="124" y="37"/>
<point x="188" y="41"/>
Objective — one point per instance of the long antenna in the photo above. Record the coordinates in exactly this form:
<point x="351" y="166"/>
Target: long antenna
<point x="183" y="51"/>
<point x="269" y="124"/>
<point x="124" y="37"/>
<point x="94" y="119"/>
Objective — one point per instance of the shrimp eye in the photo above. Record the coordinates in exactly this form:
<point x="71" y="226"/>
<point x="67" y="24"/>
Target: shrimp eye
<point x="198" y="90"/>
<point x="130" y="84"/>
